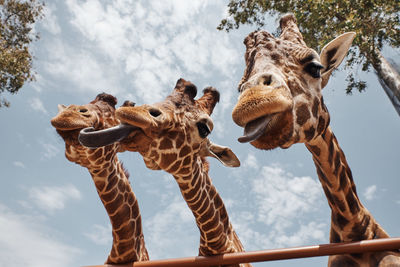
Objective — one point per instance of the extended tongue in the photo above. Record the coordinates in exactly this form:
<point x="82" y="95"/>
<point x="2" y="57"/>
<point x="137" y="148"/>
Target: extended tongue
<point x="255" y="129"/>
<point x="93" y="139"/>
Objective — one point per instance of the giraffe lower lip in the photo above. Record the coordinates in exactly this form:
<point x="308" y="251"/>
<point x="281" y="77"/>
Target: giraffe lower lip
<point x="93" y="139"/>
<point x="254" y="129"/>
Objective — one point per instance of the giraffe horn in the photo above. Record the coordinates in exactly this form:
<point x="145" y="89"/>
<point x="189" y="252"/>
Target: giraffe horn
<point x="209" y="99"/>
<point x="290" y="30"/>
<point x="91" y="138"/>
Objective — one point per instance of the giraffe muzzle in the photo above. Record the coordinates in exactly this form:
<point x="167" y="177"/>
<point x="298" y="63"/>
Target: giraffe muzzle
<point x="91" y="138"/>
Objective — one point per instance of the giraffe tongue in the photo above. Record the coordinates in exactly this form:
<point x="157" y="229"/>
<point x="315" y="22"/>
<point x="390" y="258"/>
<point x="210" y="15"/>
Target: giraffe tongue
<point x="255" y="129"/>
<point x="93" y="139"/>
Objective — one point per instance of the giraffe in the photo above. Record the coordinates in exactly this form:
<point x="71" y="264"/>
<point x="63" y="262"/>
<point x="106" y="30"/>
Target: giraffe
<point x="108" y="174"/>
<point x="173" y="137"/>
<point x="281" y="104"/>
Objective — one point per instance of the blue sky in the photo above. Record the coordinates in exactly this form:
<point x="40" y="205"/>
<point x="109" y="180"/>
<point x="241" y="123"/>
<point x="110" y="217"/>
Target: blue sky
<point x="50" y="214"/>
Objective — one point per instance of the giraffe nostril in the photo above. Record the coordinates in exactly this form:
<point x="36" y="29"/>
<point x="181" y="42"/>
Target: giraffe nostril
<point x="83" y="110"/>
<point x="155" y="112"/>
<point x="267" y="80"/>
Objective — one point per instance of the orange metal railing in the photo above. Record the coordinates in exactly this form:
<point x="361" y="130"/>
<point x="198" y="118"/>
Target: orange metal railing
<point x="273" y="254"/>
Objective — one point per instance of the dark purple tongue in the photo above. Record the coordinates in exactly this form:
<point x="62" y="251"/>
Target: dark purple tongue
<point x="255" y="129"/>
<point x="93" y="139"/>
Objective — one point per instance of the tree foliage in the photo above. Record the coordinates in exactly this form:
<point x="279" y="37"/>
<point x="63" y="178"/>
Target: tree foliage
<point x="376" y="22"/>
<point x="16" y="21"/>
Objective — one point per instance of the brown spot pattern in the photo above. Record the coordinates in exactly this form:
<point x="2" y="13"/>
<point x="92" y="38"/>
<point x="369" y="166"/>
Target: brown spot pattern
<point x="309" y="133"/>
<point x="339" y="220"/>
<point x="352" y="201"/>
<point x="184" y="151"/>
<point x="315" y="107"/>
<point x="303" y="114"/>
<point x="165" y="144"/>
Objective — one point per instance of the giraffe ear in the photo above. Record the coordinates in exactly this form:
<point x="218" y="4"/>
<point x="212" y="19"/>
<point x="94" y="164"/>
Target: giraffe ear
<point x="61" y="107"/>
<point x="224" y="154"/>
<point x="333" y="54"/>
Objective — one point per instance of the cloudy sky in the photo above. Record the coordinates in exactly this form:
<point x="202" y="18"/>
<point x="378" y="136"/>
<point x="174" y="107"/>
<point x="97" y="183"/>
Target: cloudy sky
<point x="50" y="214"/>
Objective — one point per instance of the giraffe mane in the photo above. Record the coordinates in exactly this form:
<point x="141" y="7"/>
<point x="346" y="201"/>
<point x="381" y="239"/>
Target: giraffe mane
<point x="126" y="172"/>
<point x="206" y="164"/>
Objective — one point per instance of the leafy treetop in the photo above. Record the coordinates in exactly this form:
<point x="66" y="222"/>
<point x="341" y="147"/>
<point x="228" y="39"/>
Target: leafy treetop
<point x="376" y="22"/>
<point x="16" y="21"/>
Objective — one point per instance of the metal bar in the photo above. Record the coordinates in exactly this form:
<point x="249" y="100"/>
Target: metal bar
<point x="272" y="254"/>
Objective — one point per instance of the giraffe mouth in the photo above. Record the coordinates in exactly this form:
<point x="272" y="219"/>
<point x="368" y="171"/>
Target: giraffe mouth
<point x="91" y="138"/>
<point x="256" y="128"/>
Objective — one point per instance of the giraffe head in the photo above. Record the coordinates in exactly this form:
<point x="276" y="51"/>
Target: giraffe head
<point x="280" y="100"/>
<point x="177" y="129"/>
<point x="172" y="134"/>
<point x="98" y="114"/>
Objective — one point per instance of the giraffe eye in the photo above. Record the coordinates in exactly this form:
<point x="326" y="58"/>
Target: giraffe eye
<point x="204" y="131"/>
<point x="314" y="69"/>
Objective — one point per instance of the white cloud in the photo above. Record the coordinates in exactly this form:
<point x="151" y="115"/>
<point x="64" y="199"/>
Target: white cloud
<point x="173" y="226"/>
<point x="310" y="231"/>
<point x="243" y="224"/>
<point x="192" y="49"/>
<point x="153" y="43"/>
<point x="370" y="192"/>
<point x="80" y="67"/>
<point x="253" y="239"/>
<point x="280" y="210"/>
<point x="37" y="105"/>
<point x="50" y="20"/>
<point x="223" y="55"/>
<point x="228" y="95"/>
<point x="50" y="150"/>
<point x="52" y="198"/>
<point x="282" y="197"/>
<point x="107" y="25"/>
<point x="19" y="164"/>
<point x="180" y="12"/>
<point x="24" y="241"/>
<point x="251" y="161"/>
<point x="38" y="85"/>
<point x="100" y="235"/>
<point x="148" y="86"/>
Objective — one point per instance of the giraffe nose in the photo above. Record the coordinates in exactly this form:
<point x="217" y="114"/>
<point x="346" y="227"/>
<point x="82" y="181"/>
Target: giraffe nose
<point x="154" y="112"/>
<point x="268" y="79"/>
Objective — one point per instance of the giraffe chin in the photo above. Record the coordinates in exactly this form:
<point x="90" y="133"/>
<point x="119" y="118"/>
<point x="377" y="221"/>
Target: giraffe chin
<point x="255" y="128"/>
<point x="91" y="138"/>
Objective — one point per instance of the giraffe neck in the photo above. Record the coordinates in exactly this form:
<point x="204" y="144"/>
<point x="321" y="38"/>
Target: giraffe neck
<point x="351" y="221"/>
<point x="120" y="202"/>
<point x="216" y="233"/>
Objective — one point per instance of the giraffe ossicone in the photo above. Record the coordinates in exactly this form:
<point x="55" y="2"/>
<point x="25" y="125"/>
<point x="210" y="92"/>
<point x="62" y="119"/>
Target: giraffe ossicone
<point x="108" y="174"/>
<point x="173" y="137"/>
<point x="281" y="104"/>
